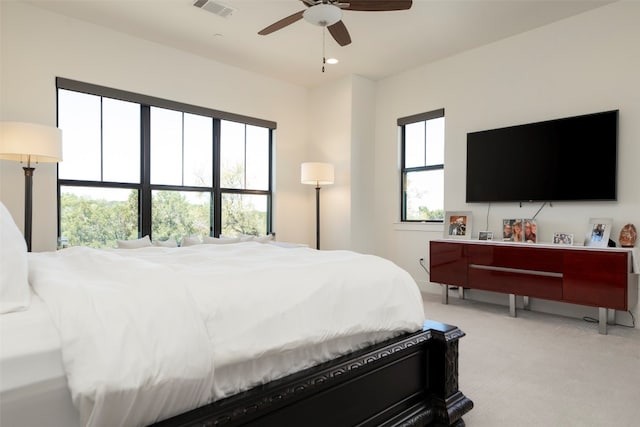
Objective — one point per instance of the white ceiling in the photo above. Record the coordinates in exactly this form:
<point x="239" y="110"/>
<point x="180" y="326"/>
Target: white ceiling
<point x="383" y="43"/>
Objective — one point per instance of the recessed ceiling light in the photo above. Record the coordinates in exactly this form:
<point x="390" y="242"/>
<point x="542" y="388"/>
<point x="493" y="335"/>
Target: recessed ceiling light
<point x="332" y="61"/>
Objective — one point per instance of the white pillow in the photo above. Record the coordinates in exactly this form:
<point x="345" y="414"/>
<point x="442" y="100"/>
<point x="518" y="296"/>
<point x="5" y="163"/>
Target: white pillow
<point x="15" y="294"/>
<point x="264" y="239"/>
<point x="220" y="240"/>
<point x="142" y="242"/>
<point x="288" y="245"/>
<point x="190" y="241"/>
<point x="169" y="243"/>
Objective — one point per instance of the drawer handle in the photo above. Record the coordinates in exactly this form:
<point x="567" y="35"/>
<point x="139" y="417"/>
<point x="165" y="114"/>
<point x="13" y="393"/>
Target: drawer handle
<point x="515" y="270"/>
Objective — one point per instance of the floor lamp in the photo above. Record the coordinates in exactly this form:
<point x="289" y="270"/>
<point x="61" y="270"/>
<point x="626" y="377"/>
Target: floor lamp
<point x="29" y="143"/>
<point x="317" y="174"/>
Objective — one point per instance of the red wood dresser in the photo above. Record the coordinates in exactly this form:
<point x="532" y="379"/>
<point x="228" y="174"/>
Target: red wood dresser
<point x="598" y="277"/>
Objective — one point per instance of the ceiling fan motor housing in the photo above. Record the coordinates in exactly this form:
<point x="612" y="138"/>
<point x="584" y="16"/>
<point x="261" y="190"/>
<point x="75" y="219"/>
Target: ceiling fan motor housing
<point x="323" y="15"/>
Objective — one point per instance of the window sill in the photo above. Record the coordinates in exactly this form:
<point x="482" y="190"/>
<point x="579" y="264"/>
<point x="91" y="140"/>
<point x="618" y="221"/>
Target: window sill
<point x="418" y="226"/>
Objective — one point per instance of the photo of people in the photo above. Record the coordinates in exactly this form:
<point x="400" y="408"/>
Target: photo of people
<point x="507" y="229"/>
<point x="485" y="235"/>
<point x="517" y="231"/>
<point x="563" y="238"/>
<point x="530" y="230"/>
<point x="598" y="232"/>
<point x="458" y="225"/>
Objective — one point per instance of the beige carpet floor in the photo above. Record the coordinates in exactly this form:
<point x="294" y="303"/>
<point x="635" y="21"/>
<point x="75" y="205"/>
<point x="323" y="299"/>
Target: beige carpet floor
<point x="542" y="370"/>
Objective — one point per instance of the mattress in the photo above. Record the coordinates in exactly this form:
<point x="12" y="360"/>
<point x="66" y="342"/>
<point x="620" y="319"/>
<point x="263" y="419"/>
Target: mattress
<point x="33" y="384"/>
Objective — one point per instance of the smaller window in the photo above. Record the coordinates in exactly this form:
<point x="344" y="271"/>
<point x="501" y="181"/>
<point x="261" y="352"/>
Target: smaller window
<point x="97" y="216"/>
<point x="422" y="166"/>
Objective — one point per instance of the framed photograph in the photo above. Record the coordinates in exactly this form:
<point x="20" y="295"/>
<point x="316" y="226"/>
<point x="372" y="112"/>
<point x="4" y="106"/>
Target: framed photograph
<point x="485" y="235"/>
<point x="513" y="230"/>
<point x="598" y="232"/>
<point x="560" y="238"/>
<point x="530" y="230"/>
<point x="457" y="225"/>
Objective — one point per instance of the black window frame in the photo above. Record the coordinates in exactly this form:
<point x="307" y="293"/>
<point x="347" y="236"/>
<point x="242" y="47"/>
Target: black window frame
<point x="404" y="170"/>
<point x="145" y="188"/>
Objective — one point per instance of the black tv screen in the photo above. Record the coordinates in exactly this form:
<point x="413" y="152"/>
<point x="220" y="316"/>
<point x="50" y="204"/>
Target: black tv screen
<point x="573" y="158"/>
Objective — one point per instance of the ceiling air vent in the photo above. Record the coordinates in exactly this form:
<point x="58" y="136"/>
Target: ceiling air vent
<point x="214" y="7"/>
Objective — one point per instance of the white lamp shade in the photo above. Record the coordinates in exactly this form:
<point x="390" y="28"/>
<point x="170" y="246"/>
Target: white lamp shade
<point x="315" y="173"/>
<point x="30" y="142"/>
<point x="323" y="15"/>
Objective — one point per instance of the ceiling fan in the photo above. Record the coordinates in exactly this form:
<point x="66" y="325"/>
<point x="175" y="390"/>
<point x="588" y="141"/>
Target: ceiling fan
<point x="328" y="13"/>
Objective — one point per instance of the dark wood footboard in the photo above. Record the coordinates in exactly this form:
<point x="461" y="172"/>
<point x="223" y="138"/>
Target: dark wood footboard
<point x="410" y="380"/>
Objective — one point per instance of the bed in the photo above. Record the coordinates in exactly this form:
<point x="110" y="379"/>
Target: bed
<point x="237" y="334"/>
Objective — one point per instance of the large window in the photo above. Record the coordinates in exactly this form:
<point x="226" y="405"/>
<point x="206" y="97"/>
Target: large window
<point x="136" y="165"/>
<point x="422" y="166"/>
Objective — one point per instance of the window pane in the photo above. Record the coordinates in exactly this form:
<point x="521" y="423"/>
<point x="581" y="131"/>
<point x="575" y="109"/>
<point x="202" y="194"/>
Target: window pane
<point x="244" y="214"/>
<point x="79" y="119"/>
<point x="178" y="214"/>
<point x="121" y="141"/>
<point x="166" y="146"/>
<point x="435" y="141"/>
<point x="97" y="217"/>
<point x="414" y="145"/>
<point x="198" y="150"/>
<point x="257" y="158"/>
<point x="232" y="154"/>
<point x="424" y="195"/>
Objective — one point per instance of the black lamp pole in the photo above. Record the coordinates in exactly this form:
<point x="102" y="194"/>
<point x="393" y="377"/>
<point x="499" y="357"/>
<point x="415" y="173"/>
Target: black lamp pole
<point x="317" y="217"/>
<point x="28" y="187"/>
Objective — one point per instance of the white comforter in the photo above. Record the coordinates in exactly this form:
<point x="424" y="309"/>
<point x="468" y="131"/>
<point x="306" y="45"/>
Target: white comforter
<point x="143" y="329"/>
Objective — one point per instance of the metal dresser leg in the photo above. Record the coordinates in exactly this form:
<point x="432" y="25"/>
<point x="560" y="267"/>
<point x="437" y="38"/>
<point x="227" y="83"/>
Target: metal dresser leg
<point x="512" y="305"/>
<point x="602" y="320"/>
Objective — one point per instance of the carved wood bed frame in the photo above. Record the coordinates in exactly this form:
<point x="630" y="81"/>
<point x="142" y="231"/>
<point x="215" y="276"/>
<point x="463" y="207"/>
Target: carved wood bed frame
<point x="411" y="380"/>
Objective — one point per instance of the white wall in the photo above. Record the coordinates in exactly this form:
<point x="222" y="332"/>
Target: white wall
<point x="584" y="64"/>
<point x="362" y="156"/>
<point x="341" y="132"/>
<point x="37" y="46"/>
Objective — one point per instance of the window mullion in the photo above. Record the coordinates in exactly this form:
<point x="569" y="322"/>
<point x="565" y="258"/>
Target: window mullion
<point x="244" y="168"/>
<point x="145" y="197"/>
<point x="102" y="139"/>
<point x="182" y="154"/>
<point x="424" y="138"/>
<point x="216" y="206"/>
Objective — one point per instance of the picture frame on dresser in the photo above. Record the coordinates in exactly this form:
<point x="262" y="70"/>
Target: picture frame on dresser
<point x="457" y="224"/>
<point x="507" y="229"/>
<point x="561" y="238"/>
<point x="598" y="232"/>
<point x="513" y="230"/>
<point x="485" y="235"/>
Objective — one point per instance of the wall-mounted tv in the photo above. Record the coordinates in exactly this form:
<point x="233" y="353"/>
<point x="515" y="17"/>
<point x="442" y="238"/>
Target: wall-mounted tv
<point x="573" y="158"/>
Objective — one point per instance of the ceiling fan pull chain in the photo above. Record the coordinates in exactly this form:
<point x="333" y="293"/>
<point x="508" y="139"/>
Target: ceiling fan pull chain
<point x="324" y="58"/>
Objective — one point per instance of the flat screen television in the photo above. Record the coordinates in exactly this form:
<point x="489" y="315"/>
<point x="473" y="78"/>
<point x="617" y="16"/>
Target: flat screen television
<point x="568" y="159"/>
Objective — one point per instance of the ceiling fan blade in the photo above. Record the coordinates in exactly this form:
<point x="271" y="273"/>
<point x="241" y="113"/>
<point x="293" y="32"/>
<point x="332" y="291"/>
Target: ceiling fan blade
<point x="378" y="5"/>
<point x="340" y="33"/>
<point x="281" y="23"/>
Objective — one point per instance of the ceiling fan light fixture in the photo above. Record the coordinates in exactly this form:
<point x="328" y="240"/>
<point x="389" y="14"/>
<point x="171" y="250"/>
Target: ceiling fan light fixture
<point x="323" y="15"/>
<point x="332" y="61"/>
